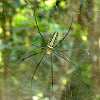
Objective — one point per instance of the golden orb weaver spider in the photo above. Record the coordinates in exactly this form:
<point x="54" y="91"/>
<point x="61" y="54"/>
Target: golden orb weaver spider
<point x="49" y="49"/>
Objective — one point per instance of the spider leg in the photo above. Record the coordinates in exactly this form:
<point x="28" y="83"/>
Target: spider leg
<point x="65" y="34"/>
<point x="60" y="50"/>
<point x="65" y="59"/>
<point x="32" y="55"/>
<point x="39" y="29"/>
<point x="38" y="46"/>
<point x="52" y="73"/>
<point x="36" y="68"/>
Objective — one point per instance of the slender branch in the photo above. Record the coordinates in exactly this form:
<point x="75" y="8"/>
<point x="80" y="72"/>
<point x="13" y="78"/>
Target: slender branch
<point x="65" y="59"/>
<point x="36" y="68"/>
<point x="27" y="1"/>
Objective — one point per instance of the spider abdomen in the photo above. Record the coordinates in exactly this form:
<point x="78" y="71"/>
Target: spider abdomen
<point x="51" y="44"/>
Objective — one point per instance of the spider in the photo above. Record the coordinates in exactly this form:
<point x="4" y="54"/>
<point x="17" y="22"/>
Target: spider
<point x="49" y="49"/>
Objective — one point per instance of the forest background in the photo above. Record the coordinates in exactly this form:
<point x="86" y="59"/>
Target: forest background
<point x="18" y="32"/>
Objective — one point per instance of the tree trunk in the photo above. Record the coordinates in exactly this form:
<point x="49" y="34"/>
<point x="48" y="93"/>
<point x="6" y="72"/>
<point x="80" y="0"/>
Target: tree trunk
<point x="94" y="38"/>
<point x="74" y="10"/>
<point x="5" y="57"/>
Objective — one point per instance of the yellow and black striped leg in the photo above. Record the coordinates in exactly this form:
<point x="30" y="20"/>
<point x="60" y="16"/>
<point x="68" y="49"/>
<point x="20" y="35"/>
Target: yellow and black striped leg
<point x="39" y="29"/>
<point x="32" y="55"/>
<point x="52" y="72"/>
<point x="60" y="50"/>
<point x="65" y="34"/>
<point x="38" y="46"/>
<point x="36" y="68"/>
<point x="65" y="59"/>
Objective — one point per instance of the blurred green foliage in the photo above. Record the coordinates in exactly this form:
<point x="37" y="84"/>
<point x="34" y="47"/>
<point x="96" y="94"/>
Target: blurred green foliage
<point x="21" y="33"/>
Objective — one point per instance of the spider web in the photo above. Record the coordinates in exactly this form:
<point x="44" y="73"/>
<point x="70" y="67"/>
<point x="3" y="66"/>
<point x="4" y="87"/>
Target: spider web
<point x="70" y="82"/>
